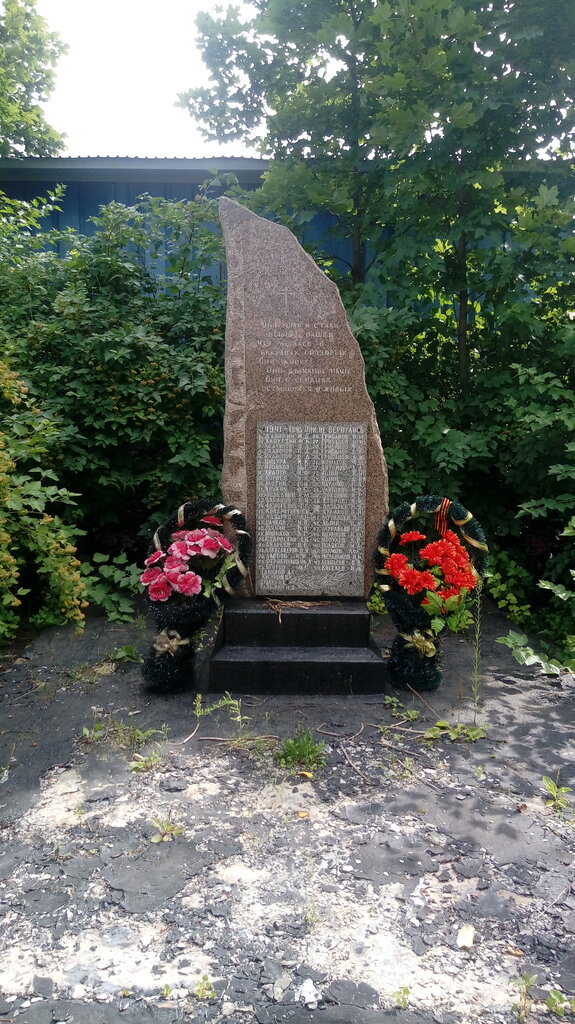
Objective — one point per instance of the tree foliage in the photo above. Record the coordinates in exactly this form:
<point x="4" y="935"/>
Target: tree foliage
<point x="28" y="55"/>
<point x="439" y="137"/>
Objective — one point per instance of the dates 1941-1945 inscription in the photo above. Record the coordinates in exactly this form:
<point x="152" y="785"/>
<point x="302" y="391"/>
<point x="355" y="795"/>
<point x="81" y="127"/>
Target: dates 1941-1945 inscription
<point x="310" y="509"/>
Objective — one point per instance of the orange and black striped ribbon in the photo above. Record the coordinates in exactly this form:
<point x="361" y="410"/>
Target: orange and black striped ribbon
<point x="441" y="517"/>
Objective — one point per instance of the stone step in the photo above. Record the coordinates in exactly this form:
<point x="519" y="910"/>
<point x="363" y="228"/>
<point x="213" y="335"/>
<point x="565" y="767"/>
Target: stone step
<point x="338" y="624"/>
<point x="291" y="669"/>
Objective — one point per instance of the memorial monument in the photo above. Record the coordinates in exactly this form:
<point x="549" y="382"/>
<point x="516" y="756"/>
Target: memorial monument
<point x="303" y="460"/>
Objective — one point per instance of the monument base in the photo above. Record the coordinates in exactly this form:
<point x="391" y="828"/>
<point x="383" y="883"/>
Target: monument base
<point x="285" y="647"/>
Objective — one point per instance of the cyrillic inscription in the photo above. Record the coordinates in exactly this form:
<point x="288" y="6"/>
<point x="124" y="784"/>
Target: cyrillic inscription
<point x="310" y="508"/>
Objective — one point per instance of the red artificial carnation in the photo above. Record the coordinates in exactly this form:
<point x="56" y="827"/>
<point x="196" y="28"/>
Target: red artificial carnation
<point x="160" y="590"/>
<point x="395" y="563"/>
<point x="225" y="544"/>
<point x="212" y="519"/>
<point x="408" y="538"/>
<point x="413" y="581"/>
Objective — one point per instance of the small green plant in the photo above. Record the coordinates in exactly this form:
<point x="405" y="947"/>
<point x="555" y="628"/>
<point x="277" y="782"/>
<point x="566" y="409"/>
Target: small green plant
<point x="524" y="984"/>
<point x="95" y="734"/>
<point x="518" y="644"/>
<point x="126" y="653"/>
<point x="166" y="991"/>
<point x="401" y="997"/>
<point x="301" y="751"/>
<point x="144" y="764"/>
<point x="375" y="603"/>
<point x="234" y="708"/>
<point x="559" y="1004"/>
<point x="456" y="731"/>
<point x="311" y="915"/>
<point x="204" y="988"/>
<point x="398" y="710"/>
<point x="403" y="769"/>
<point x="60" y="856"/>
<point x="166" y="830"/>
<point x="120" y="734"/>
<point x="557" y="801"/>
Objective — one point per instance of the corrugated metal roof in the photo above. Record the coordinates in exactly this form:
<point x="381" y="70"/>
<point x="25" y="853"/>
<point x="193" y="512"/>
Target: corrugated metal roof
<point x="74" y="168"/>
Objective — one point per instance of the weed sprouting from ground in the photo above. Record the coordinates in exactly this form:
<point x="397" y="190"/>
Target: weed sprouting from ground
<point x="524" y="984"/>
<point x="453" y="731"/>
<point x="204" y="988"/>
<point x="557" y="800"/>
<point x="120" y="734"/>
<point x="166" y="830"/>
<point x="301" y="751"/>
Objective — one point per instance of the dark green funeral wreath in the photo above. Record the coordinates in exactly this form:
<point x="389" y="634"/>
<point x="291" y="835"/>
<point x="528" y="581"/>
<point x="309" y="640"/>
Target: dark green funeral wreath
<point x="197" y="557"/>
<point x="415" y="574"/>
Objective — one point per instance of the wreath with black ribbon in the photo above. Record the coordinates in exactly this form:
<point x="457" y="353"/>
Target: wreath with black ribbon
<point x="413" y="660"/>
<point x="180" y="609"/>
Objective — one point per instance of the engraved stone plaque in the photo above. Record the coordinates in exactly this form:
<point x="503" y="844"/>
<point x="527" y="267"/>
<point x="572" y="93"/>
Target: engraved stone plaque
<point x="310" y="509"/>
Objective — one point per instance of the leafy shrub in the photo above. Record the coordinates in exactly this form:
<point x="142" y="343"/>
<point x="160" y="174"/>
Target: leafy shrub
<point x="126" y="362"/>
<point x="37" y="556"/>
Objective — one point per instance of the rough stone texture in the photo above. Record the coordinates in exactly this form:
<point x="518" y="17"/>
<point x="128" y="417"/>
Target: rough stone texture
<point x="290" y="358"/>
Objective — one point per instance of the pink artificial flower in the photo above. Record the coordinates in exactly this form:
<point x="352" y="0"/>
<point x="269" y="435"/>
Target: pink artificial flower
<point x="209" y="547"/>
<point x="225" y="544"/>
<point x="194" y="549"/>
<point x="178" y="562"/>
<point x="189" y="583"/>
<point x="179" y="548"/>
<point x="149" y="575"/>
<point x="179" y="535"/>
<point x="160" y="590"/>
<point x="212" y="519"/>
<point x="193" y="536"/>
<point x="172" y="575"/>
<point x="154" y="558"/>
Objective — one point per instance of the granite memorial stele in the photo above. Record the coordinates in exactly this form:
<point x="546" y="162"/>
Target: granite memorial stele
<point x="303" y="459"/>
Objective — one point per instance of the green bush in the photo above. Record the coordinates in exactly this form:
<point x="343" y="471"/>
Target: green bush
<point x="502" y="445"/>
<point x="126" y="362"/>
<point x="39" y="573"/>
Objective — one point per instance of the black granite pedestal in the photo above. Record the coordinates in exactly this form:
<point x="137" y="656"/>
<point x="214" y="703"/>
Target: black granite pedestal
<point x="280" y="647"/>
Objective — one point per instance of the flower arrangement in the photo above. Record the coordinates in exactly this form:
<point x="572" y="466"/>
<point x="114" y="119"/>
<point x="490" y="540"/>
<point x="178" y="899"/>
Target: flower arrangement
<point x="428" y="584"/>
<point x="184" y="569"/>
<point x="196" y="557"/>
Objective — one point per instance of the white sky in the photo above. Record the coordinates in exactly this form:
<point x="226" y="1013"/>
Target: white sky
<point x="117" y="85"/>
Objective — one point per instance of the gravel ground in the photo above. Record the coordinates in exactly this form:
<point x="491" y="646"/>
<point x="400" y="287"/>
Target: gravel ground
<point x="403" y="881"/>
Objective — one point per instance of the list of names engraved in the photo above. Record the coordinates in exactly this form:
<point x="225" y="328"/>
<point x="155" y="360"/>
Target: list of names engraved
<point x="310" y="509"/>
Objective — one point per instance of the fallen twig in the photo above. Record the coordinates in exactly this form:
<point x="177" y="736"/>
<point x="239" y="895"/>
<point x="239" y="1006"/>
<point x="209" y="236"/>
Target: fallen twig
<point x="411" y="753"/>
<point x="190" y="737"/>
<point x="556" y="900"/>
<point x="423" y="700"/>
<point x="354" y="766"/>
<point x="232" y="739"/>
<point x="337" y="735"/>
